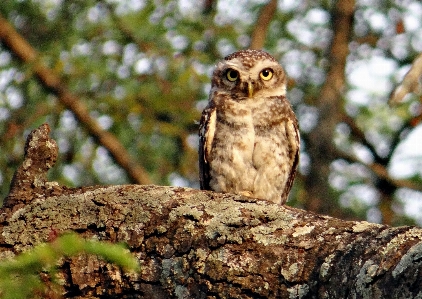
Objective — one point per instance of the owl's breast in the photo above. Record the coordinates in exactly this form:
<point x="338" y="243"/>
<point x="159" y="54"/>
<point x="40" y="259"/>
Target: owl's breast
<point x="271" y="111"/>
<point x="234" y="127"/>
<point x="231" y="168"/>
<point x="233" y="112"/>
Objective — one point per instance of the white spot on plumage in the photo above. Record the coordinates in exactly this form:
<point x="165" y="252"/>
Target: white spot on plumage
<point x="209" y="134"/>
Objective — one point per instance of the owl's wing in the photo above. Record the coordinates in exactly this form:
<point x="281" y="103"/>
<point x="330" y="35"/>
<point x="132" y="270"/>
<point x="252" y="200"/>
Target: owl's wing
<point x="206" y="136"/>
<point x="292" y="130"/>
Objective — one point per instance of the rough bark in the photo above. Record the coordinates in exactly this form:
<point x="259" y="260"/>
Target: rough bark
<point x="199" y="244"/>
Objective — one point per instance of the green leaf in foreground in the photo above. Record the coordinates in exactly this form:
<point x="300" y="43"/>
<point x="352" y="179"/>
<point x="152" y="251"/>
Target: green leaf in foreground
<point x="19" y="277"/>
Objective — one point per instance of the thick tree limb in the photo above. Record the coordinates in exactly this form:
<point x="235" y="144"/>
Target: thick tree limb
<point x="197" y="244"/>
<point x="22" y="49"/>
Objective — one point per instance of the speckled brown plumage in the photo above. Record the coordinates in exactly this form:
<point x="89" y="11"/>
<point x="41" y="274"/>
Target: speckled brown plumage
<point x="249" y="137"/>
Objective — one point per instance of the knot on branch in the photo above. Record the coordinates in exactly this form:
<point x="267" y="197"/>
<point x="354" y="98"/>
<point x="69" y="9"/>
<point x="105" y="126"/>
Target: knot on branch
<point x="30" y="179"/>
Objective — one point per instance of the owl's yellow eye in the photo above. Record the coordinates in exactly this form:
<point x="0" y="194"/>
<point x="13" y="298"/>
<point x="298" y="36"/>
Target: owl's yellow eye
<point x="266" y="74"/>
<point x="232" y="75"/>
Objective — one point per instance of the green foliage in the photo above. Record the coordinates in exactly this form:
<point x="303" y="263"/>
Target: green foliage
<point x="19" y="277"/>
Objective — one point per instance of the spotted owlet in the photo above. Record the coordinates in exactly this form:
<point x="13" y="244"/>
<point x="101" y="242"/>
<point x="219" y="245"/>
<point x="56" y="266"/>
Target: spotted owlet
<point x="249" y="137"/>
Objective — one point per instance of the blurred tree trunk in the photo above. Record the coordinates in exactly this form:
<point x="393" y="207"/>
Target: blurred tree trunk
<point x="259" y="33"/>
<point x="320" y="145"/>
<point x="196" y="244"/>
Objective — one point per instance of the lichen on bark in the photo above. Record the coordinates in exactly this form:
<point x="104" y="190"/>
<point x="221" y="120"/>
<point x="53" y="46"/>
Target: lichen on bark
<point x="199" y="244"/>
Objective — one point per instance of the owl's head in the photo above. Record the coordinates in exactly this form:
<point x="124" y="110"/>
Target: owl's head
<point x="249" y="74"/>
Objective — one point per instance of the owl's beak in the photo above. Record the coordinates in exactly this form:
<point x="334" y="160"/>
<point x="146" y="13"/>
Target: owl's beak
<point x="250" y="89"/>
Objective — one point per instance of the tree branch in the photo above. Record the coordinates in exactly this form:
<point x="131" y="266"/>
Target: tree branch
<point x="201" y="244"/>
<point x="264" y="19"/>
<point x="412" y="82"/>
<point x="22" y="49"/>
<point x="359" y="135"/>
<point x="381" y="172"/>
<point x="379" y="167"/>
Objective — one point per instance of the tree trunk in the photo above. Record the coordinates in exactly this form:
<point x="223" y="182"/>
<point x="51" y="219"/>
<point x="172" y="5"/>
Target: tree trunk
<point x="199" y="244"/>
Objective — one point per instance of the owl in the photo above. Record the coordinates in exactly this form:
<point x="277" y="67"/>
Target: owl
<point x="248" y="134"/>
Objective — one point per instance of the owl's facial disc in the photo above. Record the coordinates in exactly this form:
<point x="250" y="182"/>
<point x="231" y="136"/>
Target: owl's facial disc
<point x="245" y="78"/>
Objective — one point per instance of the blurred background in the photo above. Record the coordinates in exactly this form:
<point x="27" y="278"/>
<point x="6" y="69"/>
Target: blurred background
<point x="123" y="83"/>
